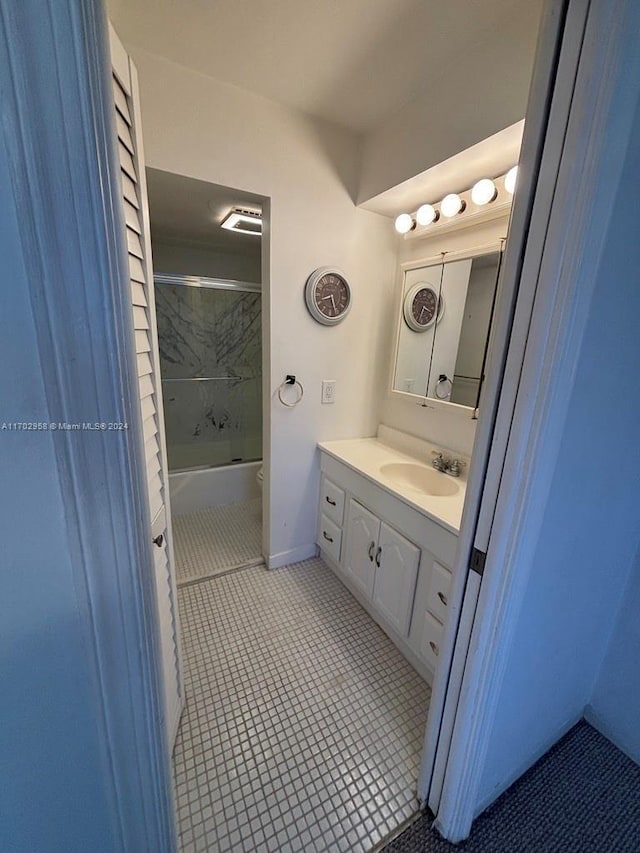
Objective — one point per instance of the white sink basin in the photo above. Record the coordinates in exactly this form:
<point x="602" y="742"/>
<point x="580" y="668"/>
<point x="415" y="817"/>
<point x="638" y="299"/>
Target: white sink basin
<point x="420" y="478"/>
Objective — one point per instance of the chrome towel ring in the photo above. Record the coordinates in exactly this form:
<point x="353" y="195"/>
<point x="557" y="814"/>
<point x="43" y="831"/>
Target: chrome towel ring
<point x="288" y="382"/>
<point x="444" y="384"/>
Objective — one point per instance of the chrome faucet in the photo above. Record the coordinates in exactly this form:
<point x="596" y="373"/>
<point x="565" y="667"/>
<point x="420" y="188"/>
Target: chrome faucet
<point x="447" y="464"/>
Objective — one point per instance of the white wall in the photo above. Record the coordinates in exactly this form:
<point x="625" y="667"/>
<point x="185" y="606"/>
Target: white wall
<point x="201" y="128"/>
<point x="447" y="428"/>
<point x="589" y="536"/>
<point x="472" y="98"/>
<point x="193" y="259"/>
<point x="614" y="708"/>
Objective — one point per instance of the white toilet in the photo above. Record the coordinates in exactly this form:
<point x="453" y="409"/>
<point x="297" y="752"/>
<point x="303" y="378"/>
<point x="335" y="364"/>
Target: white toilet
<point x="260" y="477"/>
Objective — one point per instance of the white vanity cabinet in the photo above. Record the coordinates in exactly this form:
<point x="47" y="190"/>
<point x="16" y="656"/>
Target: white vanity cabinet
<point x="393" y="559"/>
<point x="383" y="564"/>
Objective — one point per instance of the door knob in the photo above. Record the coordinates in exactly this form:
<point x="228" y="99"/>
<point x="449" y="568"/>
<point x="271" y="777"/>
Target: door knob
<point x="371" y="547"/>
<point x="378" y="555"/>
<point x="159" y="540"/>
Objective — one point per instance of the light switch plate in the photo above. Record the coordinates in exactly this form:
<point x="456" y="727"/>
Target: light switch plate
<point x="328" y="390"/>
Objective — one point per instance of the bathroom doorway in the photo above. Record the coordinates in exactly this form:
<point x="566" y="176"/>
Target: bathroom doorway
<point x="207" y="247"/>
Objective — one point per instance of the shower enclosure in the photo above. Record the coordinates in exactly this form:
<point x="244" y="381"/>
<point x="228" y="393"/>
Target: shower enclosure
<point x="209" y="335"/>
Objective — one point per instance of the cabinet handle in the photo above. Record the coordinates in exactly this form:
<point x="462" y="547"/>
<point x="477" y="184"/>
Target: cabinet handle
<point x="329" y="501"/>
<point x="158" y="540"/>
<point x="434" y="648"/>
<point x="371" y="547"/>
<point x="378" y="555"/>
<point x="328" y="538"/>
<point x="443" y="598"/>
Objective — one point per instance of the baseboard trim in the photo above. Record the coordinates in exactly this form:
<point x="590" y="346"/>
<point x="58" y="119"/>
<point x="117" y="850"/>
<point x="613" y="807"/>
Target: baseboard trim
<point x="294" y="555"/>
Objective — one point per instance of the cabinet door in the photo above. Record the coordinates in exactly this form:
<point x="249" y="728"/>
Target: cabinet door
<point x="397" y="562"/>
<point x="362" y="542"/>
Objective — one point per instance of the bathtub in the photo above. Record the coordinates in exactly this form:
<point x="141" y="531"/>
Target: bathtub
<point x="201" y="488"/>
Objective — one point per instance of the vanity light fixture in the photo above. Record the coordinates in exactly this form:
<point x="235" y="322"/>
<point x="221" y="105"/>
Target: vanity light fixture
<point x="404" y="223"/>
<point x="478" y="202"/>
<point x="451" y="204"/>
<point x="243" y="221"/>
<point x="510" y="180"/>
<point x="483" y="192"/>
<point x="426" y="214"/>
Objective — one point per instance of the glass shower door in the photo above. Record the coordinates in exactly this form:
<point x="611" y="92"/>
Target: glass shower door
<point x="209" y="335"/>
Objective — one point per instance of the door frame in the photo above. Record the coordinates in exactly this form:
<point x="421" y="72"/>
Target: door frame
<point x="509" y="327"/>
<point x="59" y="128"/>
<point x="598" y="75"/>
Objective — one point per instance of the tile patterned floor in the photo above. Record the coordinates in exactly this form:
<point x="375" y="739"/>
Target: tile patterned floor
<point x="213" y="540"/>
<point x="303" y="724"/>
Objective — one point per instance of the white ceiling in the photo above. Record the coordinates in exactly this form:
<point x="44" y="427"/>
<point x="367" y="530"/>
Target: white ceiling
<point x="185" y="210"/>
<point x="352" y="62"/>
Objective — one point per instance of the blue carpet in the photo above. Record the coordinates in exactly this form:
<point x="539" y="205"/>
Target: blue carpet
<point x="583" y="796"/>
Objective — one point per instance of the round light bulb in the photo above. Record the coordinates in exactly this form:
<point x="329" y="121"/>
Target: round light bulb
<point x="483" y="192"/>
<point x="510" y="180"/>
<point x="451" y="204"/>
<point x="404" y="223"/>
<point x="426" y="214"/>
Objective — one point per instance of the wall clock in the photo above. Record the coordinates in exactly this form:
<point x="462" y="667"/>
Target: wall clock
<point x="422" y="307"/>
<point x="328" y="295"/>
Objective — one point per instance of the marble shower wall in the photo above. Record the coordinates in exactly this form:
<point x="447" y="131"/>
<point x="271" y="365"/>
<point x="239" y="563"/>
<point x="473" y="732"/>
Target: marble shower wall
<point x="212" y="335"/>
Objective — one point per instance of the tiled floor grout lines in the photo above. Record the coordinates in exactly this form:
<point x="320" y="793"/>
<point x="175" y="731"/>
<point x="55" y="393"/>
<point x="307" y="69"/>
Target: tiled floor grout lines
<point x="303" y="725"/>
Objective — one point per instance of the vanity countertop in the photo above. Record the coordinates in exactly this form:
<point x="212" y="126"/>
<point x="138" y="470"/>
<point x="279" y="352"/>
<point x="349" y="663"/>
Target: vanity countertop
<point x="367" y="456"/>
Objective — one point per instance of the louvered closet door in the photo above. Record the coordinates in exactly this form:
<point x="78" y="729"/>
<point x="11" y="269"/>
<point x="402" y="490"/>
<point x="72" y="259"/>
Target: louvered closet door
<point x="136" y="216"/>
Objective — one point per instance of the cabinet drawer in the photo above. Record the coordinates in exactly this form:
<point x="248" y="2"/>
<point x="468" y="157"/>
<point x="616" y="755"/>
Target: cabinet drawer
<point x="438" y="598"/>
<point x="330" y="537"/>
<point x="332" y="501"/>
<point x="430" y="642"/>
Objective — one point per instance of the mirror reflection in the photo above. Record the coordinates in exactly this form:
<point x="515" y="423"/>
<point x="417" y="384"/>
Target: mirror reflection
<point x="444" y="328"/>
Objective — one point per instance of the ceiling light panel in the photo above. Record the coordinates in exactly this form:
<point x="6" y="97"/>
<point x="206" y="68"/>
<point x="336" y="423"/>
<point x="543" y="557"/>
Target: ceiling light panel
<point x="243" y="222"/>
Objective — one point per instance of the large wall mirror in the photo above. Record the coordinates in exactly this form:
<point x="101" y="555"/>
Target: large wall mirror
<point x="444" y="319"/>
